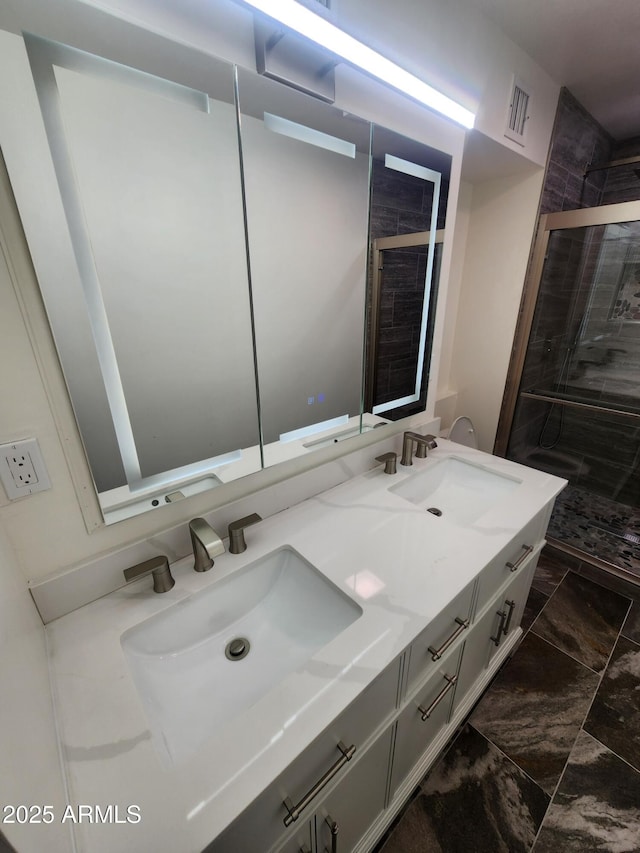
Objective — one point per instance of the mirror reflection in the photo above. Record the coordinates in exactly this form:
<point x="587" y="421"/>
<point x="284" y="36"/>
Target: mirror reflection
<point x="149" y="177"/>
<point x="306" y="171"/>
<point x="222" y="241"/>
<point x="409" y="194"/>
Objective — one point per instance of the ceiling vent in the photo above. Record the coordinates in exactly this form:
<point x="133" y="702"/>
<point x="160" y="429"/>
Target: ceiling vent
<point x="518" y="112"/>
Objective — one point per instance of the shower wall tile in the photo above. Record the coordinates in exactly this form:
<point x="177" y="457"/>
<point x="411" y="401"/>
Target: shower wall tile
<point x="583" y="620"/>
<point x="597" y="805"/>
<point x="535" y="707"/>
<point x="384" y="221"/>
<point x="577" y="141"/>
<point x="614" y="718"/>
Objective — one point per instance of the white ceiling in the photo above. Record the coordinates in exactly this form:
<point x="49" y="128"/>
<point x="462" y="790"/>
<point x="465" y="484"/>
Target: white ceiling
<point x="590" y="46"/>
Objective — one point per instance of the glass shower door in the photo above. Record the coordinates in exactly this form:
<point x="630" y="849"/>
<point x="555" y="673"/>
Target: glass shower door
<point x="577" y="413"/>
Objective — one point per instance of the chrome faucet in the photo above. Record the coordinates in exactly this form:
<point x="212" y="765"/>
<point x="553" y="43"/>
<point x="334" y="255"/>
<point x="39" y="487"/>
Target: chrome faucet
<point x="422" y="442"/>
<point x="206" y="544"/>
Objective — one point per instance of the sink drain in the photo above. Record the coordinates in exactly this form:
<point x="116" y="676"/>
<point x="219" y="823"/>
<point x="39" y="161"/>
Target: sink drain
<point x="435" y="511"/>
<point x="237" y="649"/>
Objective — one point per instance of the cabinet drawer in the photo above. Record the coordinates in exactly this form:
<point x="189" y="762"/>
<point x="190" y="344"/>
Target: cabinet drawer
<point x="357" y="801"/>
<point x="448" y="628"/>
<point x="513" y="559"/>
<point x="262" y="824"/>
<point x="424" y="717"/>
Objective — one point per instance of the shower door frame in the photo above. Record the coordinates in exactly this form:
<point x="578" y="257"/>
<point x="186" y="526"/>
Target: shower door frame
<point x="607" y="214"/>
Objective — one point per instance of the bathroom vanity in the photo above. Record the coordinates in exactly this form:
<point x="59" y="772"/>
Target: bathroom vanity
<point x="376" y="614"/>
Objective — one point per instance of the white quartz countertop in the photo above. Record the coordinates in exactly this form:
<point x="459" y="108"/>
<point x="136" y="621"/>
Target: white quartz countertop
<point x="399" y="563"/>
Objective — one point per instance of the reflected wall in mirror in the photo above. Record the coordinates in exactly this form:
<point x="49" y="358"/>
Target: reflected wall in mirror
<point x="192" y="300"/>
<point x="409" y="196"/>
<point x="306" y="170"/>
<point x="155" y="338"/>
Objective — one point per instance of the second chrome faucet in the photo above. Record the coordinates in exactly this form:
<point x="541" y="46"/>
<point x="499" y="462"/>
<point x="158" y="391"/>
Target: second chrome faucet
<point x="206" y="544"/>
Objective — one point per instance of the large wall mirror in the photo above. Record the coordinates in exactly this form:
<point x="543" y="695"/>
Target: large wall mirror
<point x="306" y="168"/>
<point x="156" y="346"/>
<point x="225" y="315"/>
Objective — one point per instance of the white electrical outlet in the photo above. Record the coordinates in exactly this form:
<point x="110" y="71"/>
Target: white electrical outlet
<point x="22" y="469"/>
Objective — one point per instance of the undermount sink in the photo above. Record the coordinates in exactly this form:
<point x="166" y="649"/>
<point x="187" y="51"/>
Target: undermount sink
<point x="209" y="657"/>
<point x="456" y="490"/>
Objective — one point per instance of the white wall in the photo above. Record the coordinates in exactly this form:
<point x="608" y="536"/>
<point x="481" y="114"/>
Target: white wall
<point x="30" y="767"/>
<point x="501" y="216"/>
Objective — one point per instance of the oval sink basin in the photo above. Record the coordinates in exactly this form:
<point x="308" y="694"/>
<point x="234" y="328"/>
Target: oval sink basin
<point x="214" y="654"/>
<point x="456" y="490"/>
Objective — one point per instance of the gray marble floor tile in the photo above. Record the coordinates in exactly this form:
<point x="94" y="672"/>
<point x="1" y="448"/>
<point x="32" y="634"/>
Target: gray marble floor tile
<point x="5" y="847"/>
<point x="535" y="708"/>
<point x="583" y="620"/>
<point x="631" y="627"/>
<point x="549" y="572"/>
<point x="614" y="717"/>
<point x="596" y="806"/>
<point x="474" y="799"/>
<point x="535" y="602"/>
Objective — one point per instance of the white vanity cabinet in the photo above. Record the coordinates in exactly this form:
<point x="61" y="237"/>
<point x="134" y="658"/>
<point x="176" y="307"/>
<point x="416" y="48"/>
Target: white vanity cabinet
<point x="495" y="626"/>
<point x="398" y="725"/>
<point x="344" y="770"/>
<point x="425" y="715"/>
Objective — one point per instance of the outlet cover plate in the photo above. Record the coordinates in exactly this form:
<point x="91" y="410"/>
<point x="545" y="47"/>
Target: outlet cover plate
<point x="22" y="469"/>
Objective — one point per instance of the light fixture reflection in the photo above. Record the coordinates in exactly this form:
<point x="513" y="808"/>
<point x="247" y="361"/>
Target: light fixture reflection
<point x="327" y="35"/>
<point x="365" y="584"/>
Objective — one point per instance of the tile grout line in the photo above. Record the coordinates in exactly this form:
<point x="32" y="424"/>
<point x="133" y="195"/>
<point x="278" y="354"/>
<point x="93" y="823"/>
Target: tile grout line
<point x="581" y="728"/>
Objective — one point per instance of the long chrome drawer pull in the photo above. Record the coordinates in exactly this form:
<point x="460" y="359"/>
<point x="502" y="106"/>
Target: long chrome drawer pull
<point x="436" y="654"/>
<point x="333" y="826"/>
<point x="503" y="616"/>
<point x="515" y="566"/>
<point x="293" y="812"/>
<point x="427" y="712"/>
<point x="511" y="605"/>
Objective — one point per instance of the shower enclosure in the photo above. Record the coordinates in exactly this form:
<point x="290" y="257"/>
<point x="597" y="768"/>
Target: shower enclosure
<point x="574" y="404"/>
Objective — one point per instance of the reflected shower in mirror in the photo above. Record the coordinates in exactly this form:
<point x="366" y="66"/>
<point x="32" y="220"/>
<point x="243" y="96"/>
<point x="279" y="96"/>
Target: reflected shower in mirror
<point x="306" y="170"/>
<point x="408" y="209"/>
<point x="155" y="337"/>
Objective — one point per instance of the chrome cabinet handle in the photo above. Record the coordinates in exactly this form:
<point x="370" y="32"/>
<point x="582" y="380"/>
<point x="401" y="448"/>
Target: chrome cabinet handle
<point x="515" y="566"/>
<point x="333" y="826"/>
<point x="507" y="625"/>
<point x="293" y="812"/>
<point x="436" y="654"/>
<point x="502" y="614"/>
<point x="427" y="712"/>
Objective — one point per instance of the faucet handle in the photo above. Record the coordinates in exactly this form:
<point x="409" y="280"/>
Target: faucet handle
<point x="389" y="460"/>
<point x="237" y="543"/>
<point x="158" y="567"/>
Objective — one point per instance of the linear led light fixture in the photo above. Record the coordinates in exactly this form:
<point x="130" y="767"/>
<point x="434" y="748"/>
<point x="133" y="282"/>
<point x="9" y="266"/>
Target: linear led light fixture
<point x="327" y="35"/>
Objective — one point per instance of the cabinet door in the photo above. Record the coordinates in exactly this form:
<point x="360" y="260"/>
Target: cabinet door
<point x="354" y="804"/>
<point x="424" y="718"/>
<point x="441" y="634"/>
<point x="266" y="821"/>
<point x="502" y="616"/>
